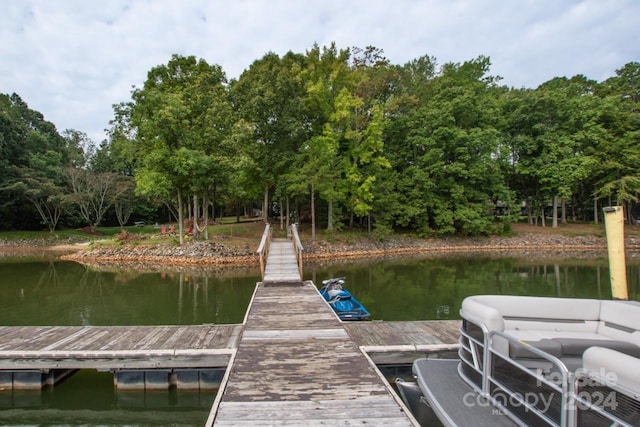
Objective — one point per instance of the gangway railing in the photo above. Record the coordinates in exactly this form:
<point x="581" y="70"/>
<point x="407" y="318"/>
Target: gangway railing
<point x="297" y="246"/>
<point x="263" y="248"/>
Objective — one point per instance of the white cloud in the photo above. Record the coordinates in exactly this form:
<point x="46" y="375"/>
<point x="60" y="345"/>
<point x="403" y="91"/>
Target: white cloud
<point x="73" y="59"/>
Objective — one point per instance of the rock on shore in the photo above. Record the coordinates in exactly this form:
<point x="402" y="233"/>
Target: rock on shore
<point x="217" y="253"/>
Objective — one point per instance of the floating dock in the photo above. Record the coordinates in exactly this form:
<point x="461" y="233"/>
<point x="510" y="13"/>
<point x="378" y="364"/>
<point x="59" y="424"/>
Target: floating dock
<point x="147" y="357"/>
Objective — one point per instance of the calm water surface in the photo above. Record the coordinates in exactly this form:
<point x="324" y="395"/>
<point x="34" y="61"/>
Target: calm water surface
<point x="38" y="292"/>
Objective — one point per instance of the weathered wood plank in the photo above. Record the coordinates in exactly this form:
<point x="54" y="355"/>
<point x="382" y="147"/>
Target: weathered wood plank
<point x="106" y="361"/>
<point x="296" y="364"/>
<point x="282" y="264"/>
<point x="371" y="408"/>
<point x="404" y="333"/>
<point x="109" y="347"/>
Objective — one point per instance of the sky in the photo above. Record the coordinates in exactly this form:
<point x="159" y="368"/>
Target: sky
<point x="72" y="60"/>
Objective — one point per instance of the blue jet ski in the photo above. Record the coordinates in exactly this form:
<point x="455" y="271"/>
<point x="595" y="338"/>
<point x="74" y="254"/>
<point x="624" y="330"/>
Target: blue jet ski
<point x="341" y="300"/>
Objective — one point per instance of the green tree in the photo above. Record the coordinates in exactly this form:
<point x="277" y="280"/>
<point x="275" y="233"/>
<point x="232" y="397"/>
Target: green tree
<point x="617" y="179"/>
<point x="455" y="172"/>
<point x="181" y="119"/>
<point x="268" y="97"/>
<point x="32" y="157"/>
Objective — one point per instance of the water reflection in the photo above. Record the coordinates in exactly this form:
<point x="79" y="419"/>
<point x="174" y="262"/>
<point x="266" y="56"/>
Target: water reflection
<point x="433" y="288"/>
<point x="65" y="293"/>
<point x="394" y="288"/>
<point x="45" y="292"/>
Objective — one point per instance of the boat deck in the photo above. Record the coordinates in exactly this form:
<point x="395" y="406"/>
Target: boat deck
<point x="297" y="364"/>
<point x="453" y="400"/>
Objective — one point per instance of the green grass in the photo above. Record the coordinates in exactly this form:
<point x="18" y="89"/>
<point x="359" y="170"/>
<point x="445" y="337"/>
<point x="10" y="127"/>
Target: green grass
<point x="225" y="228"/>
<point x="250" y="230"/>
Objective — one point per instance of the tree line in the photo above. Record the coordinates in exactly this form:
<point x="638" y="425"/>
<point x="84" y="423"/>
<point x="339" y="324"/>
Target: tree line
<point x="336" y="138"/>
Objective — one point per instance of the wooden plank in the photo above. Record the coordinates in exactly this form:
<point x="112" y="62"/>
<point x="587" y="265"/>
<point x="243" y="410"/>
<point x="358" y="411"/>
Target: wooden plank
<point x="295" y="334"/>
<point x="290" y="375"/>
<point x="111" y="361"/>
<point x="106" y="347"/>
<point x="316" y="410"/>
<point x="404" y="333"/>
<point x="282" y="264"/>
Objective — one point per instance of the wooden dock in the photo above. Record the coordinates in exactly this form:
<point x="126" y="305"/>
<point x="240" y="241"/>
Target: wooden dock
<point x="114" y="347"/>
<point x="140" y="357"/>
<point x="396" y="343"/>
<point x="296" y="364"/>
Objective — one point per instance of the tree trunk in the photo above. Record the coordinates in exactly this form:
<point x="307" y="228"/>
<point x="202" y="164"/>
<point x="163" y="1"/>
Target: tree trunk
<point x="265" y="205"/>
<point x="281" y="215"/>
<point x="554" y="205"/>
<point x="180" y="217"/>
<point x="543" y="221"/>
<point x="563" y="204"/>
<point x="205" y="206"/>
<point x="595" y="211"/>
<point x="196" y="215"/>
<point x="288" y="213"/>
<point x="330" y="215"/>
<point x="313" y="212"/>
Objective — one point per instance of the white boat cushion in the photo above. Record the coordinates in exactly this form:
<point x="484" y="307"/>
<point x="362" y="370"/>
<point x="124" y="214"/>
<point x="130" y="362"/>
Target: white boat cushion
<point x="620" y="368"/>
<point x="540" y="313"/>
<point x="620" y="320"/>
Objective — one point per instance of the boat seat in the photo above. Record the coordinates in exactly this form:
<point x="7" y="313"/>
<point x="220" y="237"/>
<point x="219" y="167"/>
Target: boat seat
<point x="562" y="327"/>
<point x="620" y="368"/>
<point x="562" y="347"/>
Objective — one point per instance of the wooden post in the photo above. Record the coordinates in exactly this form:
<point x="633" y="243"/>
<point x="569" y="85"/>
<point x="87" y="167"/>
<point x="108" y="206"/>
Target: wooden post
<point x="614" y="226"/>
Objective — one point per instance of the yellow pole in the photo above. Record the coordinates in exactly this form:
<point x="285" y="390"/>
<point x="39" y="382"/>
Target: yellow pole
<point x="614" y="226"/>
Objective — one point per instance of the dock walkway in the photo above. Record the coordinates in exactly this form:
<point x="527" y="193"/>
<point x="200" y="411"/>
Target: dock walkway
<point x="282" y="264"/>
<point x="296" y="364"/>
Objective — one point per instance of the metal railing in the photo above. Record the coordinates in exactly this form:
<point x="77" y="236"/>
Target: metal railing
<point x="263" y="248"/>
<point x="559" y="397"/>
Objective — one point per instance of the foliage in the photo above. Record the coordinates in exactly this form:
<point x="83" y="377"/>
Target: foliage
<point x="343" y="137"/>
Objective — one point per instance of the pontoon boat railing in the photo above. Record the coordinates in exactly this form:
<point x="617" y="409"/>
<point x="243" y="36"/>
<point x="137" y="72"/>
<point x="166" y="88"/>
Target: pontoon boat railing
<point x="511" y="386"/>
<point x="263" y="248"/>
<point x="555" y="397"/>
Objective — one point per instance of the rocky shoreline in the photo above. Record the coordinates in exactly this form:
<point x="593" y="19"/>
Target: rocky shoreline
<point x="218" y="253"/>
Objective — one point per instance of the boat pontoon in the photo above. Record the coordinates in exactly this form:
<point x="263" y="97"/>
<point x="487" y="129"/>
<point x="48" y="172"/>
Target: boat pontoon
<point x="535" y="361"/>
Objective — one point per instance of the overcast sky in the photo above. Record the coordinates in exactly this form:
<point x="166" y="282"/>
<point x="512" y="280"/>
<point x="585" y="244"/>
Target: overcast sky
<point x="72" y="60"/>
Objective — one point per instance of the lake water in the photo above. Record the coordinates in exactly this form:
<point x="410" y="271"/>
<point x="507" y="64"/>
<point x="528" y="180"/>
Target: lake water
<point x="46" y="292"/>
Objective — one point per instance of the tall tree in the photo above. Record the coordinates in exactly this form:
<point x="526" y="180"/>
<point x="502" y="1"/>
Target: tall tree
<point x="268" y="96"/>
<point x="94" y="193"/>
<point x="182" y="119"/>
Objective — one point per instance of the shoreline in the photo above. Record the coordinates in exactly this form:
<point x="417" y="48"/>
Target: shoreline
<point x="538" y="252"/>
<point x="535" y="244"/>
